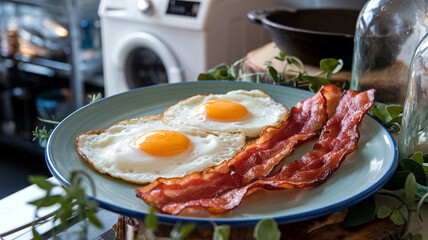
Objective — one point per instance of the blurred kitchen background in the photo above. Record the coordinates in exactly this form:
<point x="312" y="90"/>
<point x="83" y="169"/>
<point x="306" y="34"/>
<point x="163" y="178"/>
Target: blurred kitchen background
<point x="55" y="53"/>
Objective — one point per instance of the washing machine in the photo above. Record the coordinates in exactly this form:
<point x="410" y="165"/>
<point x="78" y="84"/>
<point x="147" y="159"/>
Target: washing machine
<point x="147" y="42"/>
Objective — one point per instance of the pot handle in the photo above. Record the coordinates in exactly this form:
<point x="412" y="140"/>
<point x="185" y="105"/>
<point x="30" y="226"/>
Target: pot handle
<point x="257" y="16"/>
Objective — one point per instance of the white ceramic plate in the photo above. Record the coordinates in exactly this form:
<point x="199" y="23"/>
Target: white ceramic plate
<point x="362" y="173"/>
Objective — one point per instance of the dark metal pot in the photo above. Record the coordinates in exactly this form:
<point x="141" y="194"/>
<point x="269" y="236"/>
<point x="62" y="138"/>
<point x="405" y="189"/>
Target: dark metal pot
<point x="311" y="34"/>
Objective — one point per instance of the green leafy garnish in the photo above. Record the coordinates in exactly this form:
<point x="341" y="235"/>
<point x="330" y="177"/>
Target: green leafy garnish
<point x="73" y="203"/>
<point x="406" y="199"/>
<point x="266" y="229"/>
<point x="183" y="231"/>
<point x="219" y="72"/>
<point x="397" y="218"/>
<point x="292" y="74"/>
<point x="410" y="165"/>
<point x="221" y="232"/>
<point x="330" y="66"/>
<point x="384" y="212"/>
<point x="41" y="134"/>
<point x="95" y="97"/>
<point x="389" y="114"/>
<point x="151" y="221"/>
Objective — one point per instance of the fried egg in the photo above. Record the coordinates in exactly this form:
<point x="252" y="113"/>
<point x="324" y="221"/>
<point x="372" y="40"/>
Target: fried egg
<point x="142" y="149"/>
<point x="239" y="110"/>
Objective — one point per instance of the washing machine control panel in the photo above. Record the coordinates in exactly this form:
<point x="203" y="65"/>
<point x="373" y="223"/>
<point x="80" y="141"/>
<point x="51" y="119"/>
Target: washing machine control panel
<point x="183" y="8"/>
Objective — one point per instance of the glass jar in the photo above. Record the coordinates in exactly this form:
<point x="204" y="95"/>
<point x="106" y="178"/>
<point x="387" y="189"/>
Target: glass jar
<point x="414" y="126"/>
<point x="386" y="35"/>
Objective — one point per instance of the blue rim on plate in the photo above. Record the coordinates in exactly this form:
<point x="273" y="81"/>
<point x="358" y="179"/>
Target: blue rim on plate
<point x="362" y="174"/>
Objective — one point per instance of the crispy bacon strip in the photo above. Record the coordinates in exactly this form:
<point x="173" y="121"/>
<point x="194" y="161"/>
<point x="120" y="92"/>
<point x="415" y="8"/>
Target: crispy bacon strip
<point x="255" y="161"/>
<point x="338" y="139"/>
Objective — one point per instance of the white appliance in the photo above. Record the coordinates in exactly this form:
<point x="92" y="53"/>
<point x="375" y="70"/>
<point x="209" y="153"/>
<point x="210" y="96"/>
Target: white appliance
<point x="166" y="41"/>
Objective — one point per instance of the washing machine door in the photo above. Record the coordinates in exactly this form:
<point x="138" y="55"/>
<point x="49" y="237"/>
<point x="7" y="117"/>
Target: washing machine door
<point x="141" y="60"/>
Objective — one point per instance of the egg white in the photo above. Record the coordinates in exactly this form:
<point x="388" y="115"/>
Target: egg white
<point x="111" y="151"/>
<point x="262" y="111"/>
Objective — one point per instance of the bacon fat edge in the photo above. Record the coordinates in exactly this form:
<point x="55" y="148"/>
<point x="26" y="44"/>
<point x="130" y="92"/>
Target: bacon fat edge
<point x="255" y="161"/>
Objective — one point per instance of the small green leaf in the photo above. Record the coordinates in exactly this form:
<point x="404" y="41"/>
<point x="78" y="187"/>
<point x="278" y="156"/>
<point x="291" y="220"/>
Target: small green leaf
<point x="95" y="97"/>
<point x="266" y="229"/>
<point x="221" y="75"/>
<point x="421" y="159"/>
<point x="281" y="56"/>
<point x="47" y="201"/>
<point x="233" y="73"/>
<point x="94" y="220"/>
<point x="219" y="72"/>
<point x="221" y="232"/>
<point x="53" y="122"/>
<point x="205" y="76"/>
<point x="397" y="218"/>
<point x="186" y="230"/>
<point x="41" y="182"/>
<point x="410" y="189"/>
<point x="418" y="157"/>
<point x="394" y="110"/>
<point x="389" y="115"/>
<point x="64" y="213"/>
<point x="220" y="67"/>
<point x="151" y="221"/>
<point x="378" y="112"/>
<point x="361" y="213"/>
<point x="330" y="65"/>
<point x="384" y="212"/>
<point x="415" y="168"/>
<point x="315" y="83"/>
<point x="274" y="74"/>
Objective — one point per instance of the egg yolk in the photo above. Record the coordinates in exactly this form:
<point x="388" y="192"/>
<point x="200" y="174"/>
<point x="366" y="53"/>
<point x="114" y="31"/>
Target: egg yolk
<point x="224" y="110"/>
<point x="162" y="142"/>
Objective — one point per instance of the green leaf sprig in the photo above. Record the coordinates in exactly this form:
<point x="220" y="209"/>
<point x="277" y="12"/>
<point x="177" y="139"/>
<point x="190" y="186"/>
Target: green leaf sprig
<point x="293" y="73"/>
<point x="42" y="134"/>
<point x="265" y="229"/>
<point x="73" y="203"/>
<point x="233" y="72"/>
<point x="389" y="114"/>
<point x="95" y="97"/>
<point x="221" y="232"/>
<point x="219" y="72"/>
<point x="408" y="185"/>
<point x="407" y="199"/>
